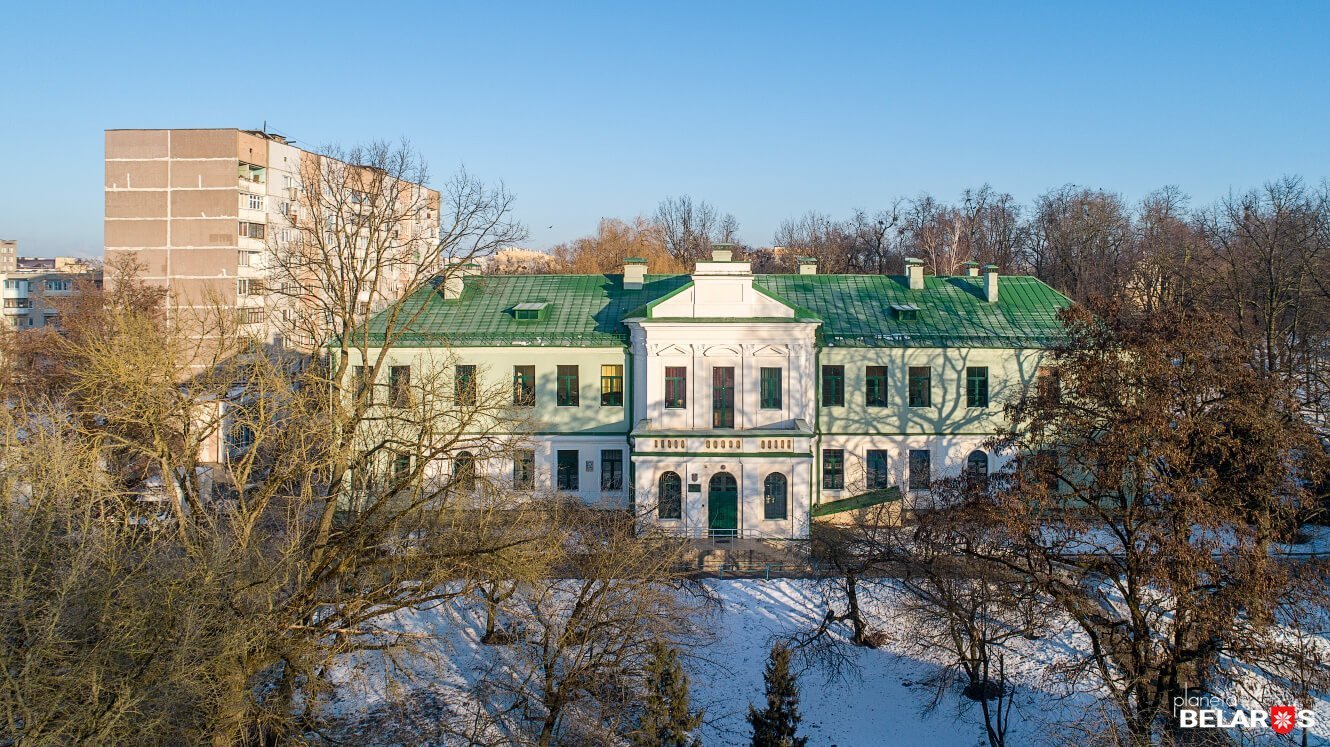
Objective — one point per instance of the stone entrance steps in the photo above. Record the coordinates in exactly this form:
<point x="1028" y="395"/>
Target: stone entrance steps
<point x="748" y="556"/>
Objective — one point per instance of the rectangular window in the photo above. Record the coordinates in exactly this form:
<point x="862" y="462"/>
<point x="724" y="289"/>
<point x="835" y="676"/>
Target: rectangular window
<point x="250" y="230"/>
<point x="611" y="386"/>
<point x="676" y="387"/>
<point x="399" y="386"/>
<point x="875" y="386"/>
<point x="833" y="386"/>
<point x="611" y="469"/>
<point x="568" y="387"/>
<point x="360" y="385"/>
<point x="722" y="397"/>
<point x="976" y="386"/>
<point x="921" y="469"/>
<point x="876" y="476"/>
<point x="524" y="386"/>
<point x="253" y="316"/>
<point x="1048" y="386"/>
<point x="566" y="473"/>
<point x="771" y="394"/>
<point x="524" y="469"/>
<point x="1049" y="467"/>
<point x="401" y="465"/>
<point x="464" y="385"/>
<point x="921" y="386"/>
<point x="252" y="201"/>
<point x="833" y="469"/>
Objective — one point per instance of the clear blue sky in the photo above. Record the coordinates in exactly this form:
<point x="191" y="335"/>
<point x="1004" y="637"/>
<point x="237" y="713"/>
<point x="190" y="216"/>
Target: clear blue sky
<point x="765" y="109"/>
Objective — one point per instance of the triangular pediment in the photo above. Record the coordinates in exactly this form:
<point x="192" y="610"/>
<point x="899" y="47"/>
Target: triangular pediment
<point x="772" y="351"/>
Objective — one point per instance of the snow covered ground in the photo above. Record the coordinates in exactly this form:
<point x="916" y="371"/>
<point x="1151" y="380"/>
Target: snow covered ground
<point x="882" y="705"/>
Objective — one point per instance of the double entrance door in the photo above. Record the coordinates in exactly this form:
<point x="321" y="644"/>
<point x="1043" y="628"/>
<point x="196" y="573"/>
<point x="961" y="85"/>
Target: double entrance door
<point x="723" y="506"/>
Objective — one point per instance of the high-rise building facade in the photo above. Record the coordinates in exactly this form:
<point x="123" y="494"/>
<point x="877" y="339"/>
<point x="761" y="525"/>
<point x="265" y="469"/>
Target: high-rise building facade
<point x="201" y="210"/>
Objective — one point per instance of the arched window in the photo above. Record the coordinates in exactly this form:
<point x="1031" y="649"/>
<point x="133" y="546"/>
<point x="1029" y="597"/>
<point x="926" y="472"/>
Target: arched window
<point x="669" y="500"/>
<point x="976" y="466"/>
<point x="775" y="497"/>
<point x="464" y="471"/>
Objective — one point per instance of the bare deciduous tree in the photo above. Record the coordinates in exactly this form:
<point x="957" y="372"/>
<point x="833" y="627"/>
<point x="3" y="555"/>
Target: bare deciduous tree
<point x="1148" y="488"/>
<point x="582" y="640"/>
<point x="690" y="228"/>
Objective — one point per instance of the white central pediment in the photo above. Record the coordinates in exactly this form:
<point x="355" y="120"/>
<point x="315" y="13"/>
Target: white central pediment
<point x="722" y="295"/>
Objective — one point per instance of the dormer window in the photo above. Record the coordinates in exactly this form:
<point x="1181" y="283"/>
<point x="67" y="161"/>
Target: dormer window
<point x="906" y="312"/>
<point x="530" y="312"/>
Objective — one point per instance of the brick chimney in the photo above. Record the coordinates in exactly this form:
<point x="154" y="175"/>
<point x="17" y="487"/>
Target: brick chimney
<point x="914" y="272"/>
<point x="634" y="273"/>
<point x="722" y="252"/>
<point x="991" y="283"/>
<point x="807" y="265"/>
<point x="971" y="269"/>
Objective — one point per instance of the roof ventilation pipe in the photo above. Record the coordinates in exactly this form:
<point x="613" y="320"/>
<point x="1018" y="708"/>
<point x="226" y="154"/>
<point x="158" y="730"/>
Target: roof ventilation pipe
<point x="991" y="283"/>
<point x="914" y="273"/>
<point x="454" y="279"/>
<point x="634" y="273"/>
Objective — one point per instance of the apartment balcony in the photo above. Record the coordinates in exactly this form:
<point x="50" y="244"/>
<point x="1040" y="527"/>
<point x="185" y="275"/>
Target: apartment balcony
<point x="252" y="187"/>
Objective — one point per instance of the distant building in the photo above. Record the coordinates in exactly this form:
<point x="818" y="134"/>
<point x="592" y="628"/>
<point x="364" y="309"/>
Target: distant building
<point x="8" y="255"/>
<point x="198" y="209"/>
<point x="519" y="262"/>
<point x="29" y="294"/>
<point x="60" y="264"/>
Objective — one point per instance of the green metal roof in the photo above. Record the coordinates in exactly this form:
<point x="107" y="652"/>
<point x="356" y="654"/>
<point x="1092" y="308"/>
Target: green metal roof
<point x="952" y="311"/>
<point x="854" y="310"/>
<point x="855" y="503"/>
<point x="583" y="310"/>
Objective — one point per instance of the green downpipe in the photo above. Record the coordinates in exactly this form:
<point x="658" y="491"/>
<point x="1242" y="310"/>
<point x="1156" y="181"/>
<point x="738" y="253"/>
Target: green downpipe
<point x="629" y="397"/>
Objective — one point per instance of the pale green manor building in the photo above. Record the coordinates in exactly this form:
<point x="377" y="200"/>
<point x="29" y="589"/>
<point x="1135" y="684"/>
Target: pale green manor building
<point x="727" y="403"/>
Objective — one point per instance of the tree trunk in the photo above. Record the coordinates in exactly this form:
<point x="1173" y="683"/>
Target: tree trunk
<point x="856" y="619"/>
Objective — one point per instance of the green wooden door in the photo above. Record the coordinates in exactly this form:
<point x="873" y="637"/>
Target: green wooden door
<point x="722" y="397"/>
<point x="723" y="506"/>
